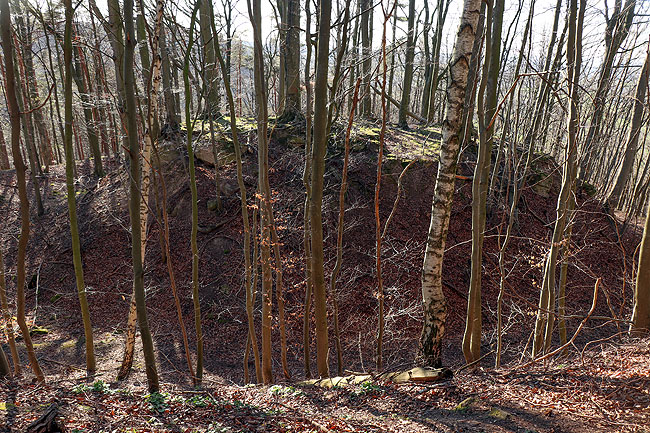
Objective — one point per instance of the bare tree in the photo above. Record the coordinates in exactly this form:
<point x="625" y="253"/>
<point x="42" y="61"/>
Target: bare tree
<point x="69" y="177"/>
<point x="631" y="148"/>
<point x="545" y="312"/>
<point x="6" y="315"/>
<point x="433" y="298"/>
<point x="408" y="67"/>
<point x="317" y="173"/>
<point x="134" y="202"/>
<point x="618" y="27"/>
<point x="487" y="110"/>
<point x="641" y="312"/>
<point x="266" y="219"/>
<point x="14" y="116"/>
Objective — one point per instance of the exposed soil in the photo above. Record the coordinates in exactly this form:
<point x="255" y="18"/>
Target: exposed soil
<point x="606" y="390"/>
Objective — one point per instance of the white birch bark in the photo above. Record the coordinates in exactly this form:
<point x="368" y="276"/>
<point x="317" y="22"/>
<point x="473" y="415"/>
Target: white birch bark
<point x="433" y="298"/>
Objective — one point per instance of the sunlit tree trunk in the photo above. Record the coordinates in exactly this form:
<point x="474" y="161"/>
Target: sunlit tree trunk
<point x="264" y="188"/>
<point x="641" y="312"/>
<point x="486" y="113"/>
<point x="545" y="313"/>
<point x="317" y="173"/>
<point x="433" y="298"/>
<point x="134" y="201"/>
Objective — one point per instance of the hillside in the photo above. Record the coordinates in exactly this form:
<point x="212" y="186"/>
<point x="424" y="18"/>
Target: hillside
<point x="613" y="395"/>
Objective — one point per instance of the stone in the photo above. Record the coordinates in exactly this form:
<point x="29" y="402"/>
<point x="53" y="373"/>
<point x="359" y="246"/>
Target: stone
<point x="498" y="413"/>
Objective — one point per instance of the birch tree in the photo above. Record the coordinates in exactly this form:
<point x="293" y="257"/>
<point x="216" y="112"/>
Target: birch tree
<point x="433" y="298"/>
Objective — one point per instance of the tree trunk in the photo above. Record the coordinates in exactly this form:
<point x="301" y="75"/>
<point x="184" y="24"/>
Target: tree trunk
<point x="28" y="135"/>
<point x="318" y="171"/>
<point x="84" y="93"/>
<point x="4" y="157"/>
<point x="14" y="116"/>
<point x="114" y="29"/>
<point x="134" y="202"/>
<point x="391" y="75"/>
<point x="211" y="75"/>
<point x="641" y="312"/>
<point x="467" y="121"/>
<point x="337" y="76"/>
<point x="545" y="313"/>
<point x="433" y="298"/>
<point x="195" y="209"/>
<point x="486" y="114"/>
<point x="264" y="189"/>
<point x="443" y="7"/>
<point x="408" y="68"/>
<point x="6" y="315"/>
<point x="172" y="123"/>
<point x="366" y="57"/>
<point x="306" y="175"/>
<point x="69" y="177"/>
<point x="244" y="208"/>
<point x="291" y="44"/>
<point x="618" y="27"/>
<point x="633" y="138"/>
<point x="32" y="94"/>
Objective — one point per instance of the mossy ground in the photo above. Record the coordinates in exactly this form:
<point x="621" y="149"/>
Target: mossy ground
<point x="420" y="142"/>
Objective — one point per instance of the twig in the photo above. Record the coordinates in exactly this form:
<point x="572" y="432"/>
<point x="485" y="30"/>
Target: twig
<point x="473" y="362"/>
<point x="43" y="104"/>
<point x="63" y="364"/>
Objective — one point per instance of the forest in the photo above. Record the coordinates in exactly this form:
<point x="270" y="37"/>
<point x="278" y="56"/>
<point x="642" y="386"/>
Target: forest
<point x="317" y="215"/>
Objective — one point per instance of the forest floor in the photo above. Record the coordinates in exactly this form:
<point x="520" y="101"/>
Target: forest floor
<point x="601" y="386"/>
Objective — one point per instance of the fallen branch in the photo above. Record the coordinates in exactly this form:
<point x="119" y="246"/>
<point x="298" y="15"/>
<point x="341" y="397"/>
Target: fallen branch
<point x="46" y="423"/>
<point x="474" y="362"/>
<point x="415" y="375"/>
